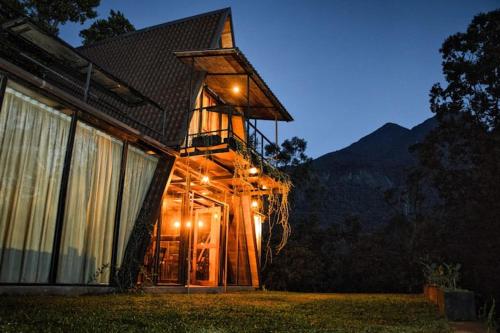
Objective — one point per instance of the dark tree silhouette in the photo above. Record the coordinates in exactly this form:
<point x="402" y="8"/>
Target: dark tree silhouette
<point x="49" y="14"/>
<point x="116" y="24"/>
<point x="461" y="158"/>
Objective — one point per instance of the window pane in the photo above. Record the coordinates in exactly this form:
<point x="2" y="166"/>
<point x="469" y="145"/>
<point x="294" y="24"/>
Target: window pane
<point x="33" y="139"/>
<point x="89" y="217"/>
<point x="138" y="175"/>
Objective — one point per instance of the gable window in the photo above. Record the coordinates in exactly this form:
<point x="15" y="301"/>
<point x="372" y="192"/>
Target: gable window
<point x="212" y="119"/>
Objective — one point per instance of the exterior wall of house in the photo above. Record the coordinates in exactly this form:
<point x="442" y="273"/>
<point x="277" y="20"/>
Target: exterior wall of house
<point x="77" y="198"/>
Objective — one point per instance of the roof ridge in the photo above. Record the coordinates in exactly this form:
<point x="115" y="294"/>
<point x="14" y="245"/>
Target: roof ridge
<point x="153" y="27"/>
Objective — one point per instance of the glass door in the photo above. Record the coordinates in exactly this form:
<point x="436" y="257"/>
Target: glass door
<point x="205" y="251"/>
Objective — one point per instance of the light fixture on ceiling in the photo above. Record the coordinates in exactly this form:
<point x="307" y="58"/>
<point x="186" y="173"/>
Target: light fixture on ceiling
<point x="236" y="89"/>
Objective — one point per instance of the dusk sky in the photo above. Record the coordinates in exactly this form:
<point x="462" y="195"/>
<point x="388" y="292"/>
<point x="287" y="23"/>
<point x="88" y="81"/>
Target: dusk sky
<point x="341" y="68"/>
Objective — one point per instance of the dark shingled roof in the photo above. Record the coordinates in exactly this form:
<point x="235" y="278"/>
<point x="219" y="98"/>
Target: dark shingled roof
<point x="145" y="60"/>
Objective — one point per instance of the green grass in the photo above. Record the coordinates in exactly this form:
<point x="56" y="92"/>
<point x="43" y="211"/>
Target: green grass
<point x="233" y="312"/>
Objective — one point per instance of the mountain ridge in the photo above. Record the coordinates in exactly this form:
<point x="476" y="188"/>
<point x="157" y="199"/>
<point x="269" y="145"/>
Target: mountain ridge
<point x="355" y="179"/>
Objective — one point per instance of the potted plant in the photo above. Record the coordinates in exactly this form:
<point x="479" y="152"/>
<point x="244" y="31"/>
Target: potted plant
<point x="441" y="288"/>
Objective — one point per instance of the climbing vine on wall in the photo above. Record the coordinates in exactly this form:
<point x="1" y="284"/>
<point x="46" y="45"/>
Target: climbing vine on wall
<point x="272" y="199"/>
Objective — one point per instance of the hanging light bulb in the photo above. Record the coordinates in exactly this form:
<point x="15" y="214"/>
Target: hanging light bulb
<point x="188" y="224"/>
<point x="236" y="89"/>
<point x="205" y="179"/>
<point x="177" y="224"/>
<point x="255" y="204"/>
<point x="200" y="224"/>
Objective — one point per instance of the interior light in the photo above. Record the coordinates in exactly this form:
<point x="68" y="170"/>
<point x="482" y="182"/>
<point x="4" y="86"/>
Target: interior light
<point x="253" y="170"/>
<point x="200" y="224"/>
<point x="150" y="152"/>
<point x="255" y="204"/>
<point x="177" y="224"/>
<point x="188" y="224"/>
<point x="205" y="179"/>
<point x="216" y="216"/>
<point x="236" y="89"/>
<point x="264" y="187"/>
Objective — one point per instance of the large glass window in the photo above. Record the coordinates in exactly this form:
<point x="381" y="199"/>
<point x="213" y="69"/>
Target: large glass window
<point x="33" y="139"/>
<point x="87" y="237"/>
<point x="138" y="175"/>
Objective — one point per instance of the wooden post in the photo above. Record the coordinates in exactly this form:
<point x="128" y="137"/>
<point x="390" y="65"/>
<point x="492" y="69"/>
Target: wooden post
<point x="116" y="231"/>
<point x="276" y="131"/>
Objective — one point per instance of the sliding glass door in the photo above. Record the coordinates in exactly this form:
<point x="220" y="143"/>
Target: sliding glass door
<point x="87" y="238"/>
<point x="33" y="139"/>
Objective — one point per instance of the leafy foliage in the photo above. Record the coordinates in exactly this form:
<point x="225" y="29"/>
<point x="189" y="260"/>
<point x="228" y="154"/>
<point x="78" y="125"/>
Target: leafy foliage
<point x="116" y="24"/>
<point x="50" y="14"/>
<point x="236" y="312"/>
<point x="442" y="275"/>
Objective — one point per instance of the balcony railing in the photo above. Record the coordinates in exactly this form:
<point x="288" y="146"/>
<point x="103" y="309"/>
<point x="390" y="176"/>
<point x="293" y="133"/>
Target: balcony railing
<point x="255" y="142"/>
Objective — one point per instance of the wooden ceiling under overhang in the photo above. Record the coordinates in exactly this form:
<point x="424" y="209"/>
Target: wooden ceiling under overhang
<point x="226" y="69"/>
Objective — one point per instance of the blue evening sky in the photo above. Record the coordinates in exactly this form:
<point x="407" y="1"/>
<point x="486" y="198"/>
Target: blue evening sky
<point x="342" y="68"/>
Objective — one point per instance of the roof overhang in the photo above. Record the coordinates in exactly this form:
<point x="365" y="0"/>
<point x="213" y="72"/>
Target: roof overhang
<point x="65" y="53"/>
<point x="233" y="78"/>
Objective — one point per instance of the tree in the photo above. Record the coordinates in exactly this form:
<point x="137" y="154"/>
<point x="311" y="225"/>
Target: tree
<point x="290" y="154"/>
<point x="116" y="24"/>
<point x="461" y="158"/>
<point x="49" y="14"/>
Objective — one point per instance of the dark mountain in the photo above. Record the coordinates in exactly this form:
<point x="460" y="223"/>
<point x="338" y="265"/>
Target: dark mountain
<point x="354" y="180"/>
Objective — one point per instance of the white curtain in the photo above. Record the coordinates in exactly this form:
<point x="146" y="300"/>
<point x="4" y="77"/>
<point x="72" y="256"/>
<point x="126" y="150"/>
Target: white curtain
<point x="33" y="139"/>
<point x="89" y="217"/>
<point x="138" y="175"/>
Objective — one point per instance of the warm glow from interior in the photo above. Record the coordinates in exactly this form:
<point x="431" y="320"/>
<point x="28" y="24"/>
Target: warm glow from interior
<point x="216" y="216"/>
<point x="205" y="179"/>
<point x="188" y="224"/>
<point x="177" y="224"/>
<point x="236" y="89"/>
<point x="200" y="224"/>
<point x="264" y="187"/>
<point x="255" y="204"/>
<point x="253" y="170"/>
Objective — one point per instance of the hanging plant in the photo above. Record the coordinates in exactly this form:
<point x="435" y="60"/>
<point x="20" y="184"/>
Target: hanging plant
<point x="276" y="198"/>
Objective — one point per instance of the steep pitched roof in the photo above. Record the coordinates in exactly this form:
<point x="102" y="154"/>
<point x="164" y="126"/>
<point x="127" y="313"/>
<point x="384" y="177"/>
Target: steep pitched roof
<point x="145" y="59"/>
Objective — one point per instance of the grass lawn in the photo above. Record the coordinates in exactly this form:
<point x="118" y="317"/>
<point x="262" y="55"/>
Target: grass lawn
<point x="234" y="312"/>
